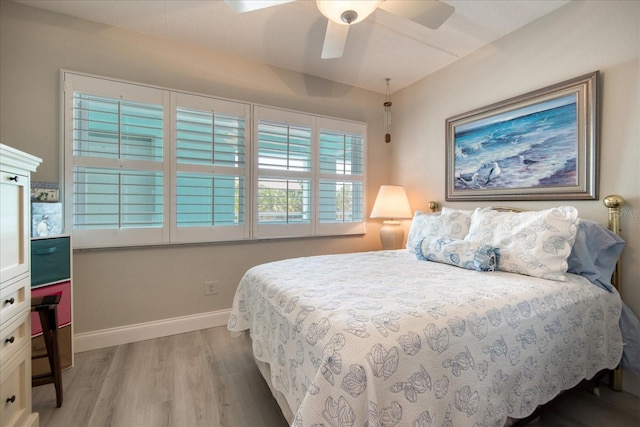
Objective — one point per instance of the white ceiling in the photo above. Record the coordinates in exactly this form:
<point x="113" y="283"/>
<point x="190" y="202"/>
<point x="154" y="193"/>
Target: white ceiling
<point x="291" y="35"/>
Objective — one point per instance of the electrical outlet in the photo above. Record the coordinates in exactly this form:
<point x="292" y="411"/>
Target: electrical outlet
<point x="211" y="288"/>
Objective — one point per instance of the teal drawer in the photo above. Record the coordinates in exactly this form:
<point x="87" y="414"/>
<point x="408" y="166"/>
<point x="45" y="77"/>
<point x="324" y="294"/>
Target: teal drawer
<point x="50" y="260"/>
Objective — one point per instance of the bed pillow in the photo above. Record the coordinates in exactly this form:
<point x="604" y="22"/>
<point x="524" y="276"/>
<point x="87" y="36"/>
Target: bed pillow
<point x="421" y="225"/>
<point x="467" y="212"/>
<point x="535" y="243"/>
<point x="461" y="253"/>
<point x="434" y="225"/>
<point x="594" y="253"/>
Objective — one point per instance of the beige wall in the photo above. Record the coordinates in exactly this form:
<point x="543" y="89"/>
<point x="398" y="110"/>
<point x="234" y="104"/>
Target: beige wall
<point x="121" y="287"/>
<point x="579" y="38"/>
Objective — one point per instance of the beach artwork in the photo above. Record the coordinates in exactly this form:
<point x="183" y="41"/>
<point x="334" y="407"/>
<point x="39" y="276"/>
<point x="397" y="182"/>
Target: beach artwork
<point x="529" y="147"/>
<point x="538" y="146"/>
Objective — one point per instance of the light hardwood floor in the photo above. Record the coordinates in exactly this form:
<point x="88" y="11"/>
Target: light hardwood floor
<point x="207" y="378"/>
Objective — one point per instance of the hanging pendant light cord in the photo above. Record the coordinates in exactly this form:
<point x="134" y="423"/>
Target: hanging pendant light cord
<point x="387" y="114"/>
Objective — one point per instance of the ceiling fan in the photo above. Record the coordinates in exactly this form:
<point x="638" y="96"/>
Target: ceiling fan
<point x="342" y="14"/>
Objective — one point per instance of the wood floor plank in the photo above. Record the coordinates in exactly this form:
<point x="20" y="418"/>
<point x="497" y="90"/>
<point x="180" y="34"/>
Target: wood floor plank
<point x="194" y="392"/>
<point x="225" y="354"/>
<point x="583" y="408"/>
<point x="81" y="384"/>
<point x="159" y="414"/>
<point x="120" y="391"/>
<point x="153" y="378"/>
<point x="207" y="378"/>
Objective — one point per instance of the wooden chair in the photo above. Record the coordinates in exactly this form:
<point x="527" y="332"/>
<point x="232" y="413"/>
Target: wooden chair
<point x="46" y="307"/>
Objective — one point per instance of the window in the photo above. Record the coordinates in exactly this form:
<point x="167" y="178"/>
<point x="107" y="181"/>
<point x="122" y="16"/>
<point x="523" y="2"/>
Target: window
<point x="211" y="174"/>
<point x="341" y="176"/>
<point x="115" y="161"/>
<point x="284" y="173"/>
<point x="118" y="133"/>
<point x="145" y="165"/>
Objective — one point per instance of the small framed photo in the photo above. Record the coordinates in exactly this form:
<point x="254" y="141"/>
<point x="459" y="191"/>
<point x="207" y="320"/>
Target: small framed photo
<point x="44" y="191"/>
<point x="46" y="219"/>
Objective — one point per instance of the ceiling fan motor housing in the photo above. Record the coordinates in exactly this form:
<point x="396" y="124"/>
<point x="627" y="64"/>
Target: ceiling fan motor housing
<point x="348" y="16"/>
<point x="347" y="12"/>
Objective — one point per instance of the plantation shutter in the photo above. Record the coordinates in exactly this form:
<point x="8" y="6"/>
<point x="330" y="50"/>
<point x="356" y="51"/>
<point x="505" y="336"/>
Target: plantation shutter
<point x="284" y="175"/>
<point x="118" y="151"/>
<point x="211" y="177"/>
<point x="341" y="176"/>
<point x="145" y="165"/>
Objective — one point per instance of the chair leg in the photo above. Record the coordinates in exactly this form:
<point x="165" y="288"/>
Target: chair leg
<point x="49" y="322"/>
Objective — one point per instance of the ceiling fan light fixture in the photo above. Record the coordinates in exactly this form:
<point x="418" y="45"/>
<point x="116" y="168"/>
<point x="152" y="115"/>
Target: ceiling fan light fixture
<point x="347" y="12"/>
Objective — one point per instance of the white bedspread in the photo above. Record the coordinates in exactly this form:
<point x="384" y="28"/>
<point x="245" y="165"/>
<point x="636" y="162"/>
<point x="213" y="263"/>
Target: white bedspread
<point x="382" y="339"/>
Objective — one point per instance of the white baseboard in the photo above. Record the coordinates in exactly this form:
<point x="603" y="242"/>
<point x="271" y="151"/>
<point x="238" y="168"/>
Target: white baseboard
<point x="144" y="331"/>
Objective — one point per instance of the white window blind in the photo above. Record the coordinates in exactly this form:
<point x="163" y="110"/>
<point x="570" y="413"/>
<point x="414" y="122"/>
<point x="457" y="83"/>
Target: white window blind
<point x="341" y="176"/>
<point x="117" y="199"/>
<point x="116" y="140"/>
<point x="110" y="129"/>
<point x="146" y="166"/>
<point x="310" y="174"/>
<point x="211" y="173"/>
<point x="284" y="173"/>
<point x="284" y="201"/>
<point x="117" y="129"/>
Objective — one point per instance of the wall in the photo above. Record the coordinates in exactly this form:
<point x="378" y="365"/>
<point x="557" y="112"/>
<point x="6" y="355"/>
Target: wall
<point x="579" y="38"/>
<point x="114" y="288"/>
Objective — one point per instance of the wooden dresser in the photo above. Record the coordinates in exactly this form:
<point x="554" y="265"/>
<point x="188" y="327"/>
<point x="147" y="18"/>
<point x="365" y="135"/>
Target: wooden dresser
<point x="15" y="288"/>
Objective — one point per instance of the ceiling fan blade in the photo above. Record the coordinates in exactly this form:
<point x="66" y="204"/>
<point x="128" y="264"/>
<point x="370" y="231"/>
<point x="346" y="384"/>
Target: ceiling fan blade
<point x="241" y="6"/>
<point x="334" y="40"/>
<point x="430" y="14"/>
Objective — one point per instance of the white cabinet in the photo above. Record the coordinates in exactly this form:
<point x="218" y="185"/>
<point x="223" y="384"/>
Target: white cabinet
<point x="15" y="288"/>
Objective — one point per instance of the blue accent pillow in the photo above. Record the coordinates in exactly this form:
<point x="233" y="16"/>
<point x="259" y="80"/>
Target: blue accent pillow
<point x="594" y="253"/>
<point x="630" y="328"/>
<point x="461" y="253"/>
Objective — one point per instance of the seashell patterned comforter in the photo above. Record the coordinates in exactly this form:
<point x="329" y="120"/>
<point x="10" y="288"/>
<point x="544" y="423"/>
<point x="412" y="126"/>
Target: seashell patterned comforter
<point x="380" y="338"/>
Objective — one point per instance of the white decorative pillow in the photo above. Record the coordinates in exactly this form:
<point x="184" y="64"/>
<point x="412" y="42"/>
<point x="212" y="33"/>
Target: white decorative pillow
<point x="468" y="212"/>
<point x="535" y="243"/>
<point x="434" y="225"/>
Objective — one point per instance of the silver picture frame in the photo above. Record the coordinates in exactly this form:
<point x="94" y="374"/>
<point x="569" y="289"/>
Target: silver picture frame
<point x="542" y="145"/>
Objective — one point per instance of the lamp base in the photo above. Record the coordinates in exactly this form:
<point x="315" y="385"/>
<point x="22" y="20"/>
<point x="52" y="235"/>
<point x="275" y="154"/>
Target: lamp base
<point x="391" y="235"/>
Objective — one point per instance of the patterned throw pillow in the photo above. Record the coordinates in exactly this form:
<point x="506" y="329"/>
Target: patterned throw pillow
<point x="535" y="243"/>
<point x="445" y="210"/>
<point x="453" y="224"/>
<point x="461" y="253"/>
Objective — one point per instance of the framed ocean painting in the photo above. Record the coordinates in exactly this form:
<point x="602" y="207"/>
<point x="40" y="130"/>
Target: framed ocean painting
<point x="538" y="146"/>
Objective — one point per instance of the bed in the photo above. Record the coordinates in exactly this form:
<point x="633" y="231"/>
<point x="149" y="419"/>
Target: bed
<point x="476" y="323"/>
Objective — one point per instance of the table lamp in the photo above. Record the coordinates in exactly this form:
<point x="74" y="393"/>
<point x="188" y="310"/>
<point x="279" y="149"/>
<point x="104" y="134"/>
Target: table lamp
<point x="391" y="203"/>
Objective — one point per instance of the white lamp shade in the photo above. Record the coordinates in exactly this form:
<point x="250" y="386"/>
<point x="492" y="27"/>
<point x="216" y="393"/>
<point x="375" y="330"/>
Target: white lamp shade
<point x="392" y="203"/>
<point x="333" y="9"/>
